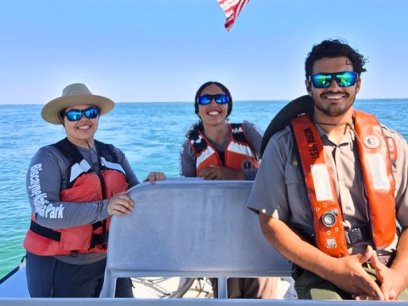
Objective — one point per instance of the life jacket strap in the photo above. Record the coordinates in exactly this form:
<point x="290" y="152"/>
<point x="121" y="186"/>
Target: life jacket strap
<point x="45" y="231"/>
<point x="101" y="239"/>
<point x="97" y="224"/>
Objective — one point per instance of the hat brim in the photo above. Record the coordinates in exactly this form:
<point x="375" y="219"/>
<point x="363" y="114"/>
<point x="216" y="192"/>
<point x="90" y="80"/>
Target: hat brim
<point x="52" y="109"/>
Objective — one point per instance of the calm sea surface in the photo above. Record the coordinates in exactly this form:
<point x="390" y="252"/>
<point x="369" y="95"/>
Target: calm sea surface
<point x="150" y="134"/>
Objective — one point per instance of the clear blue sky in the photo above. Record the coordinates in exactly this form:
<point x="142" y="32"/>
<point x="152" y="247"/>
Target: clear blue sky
<point x="162" y="50"/>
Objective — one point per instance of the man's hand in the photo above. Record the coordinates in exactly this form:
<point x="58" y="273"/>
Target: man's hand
<point x="348" y="274"/>
<point x="221" y="173"/>
<point x="120" y="204"/>
<point x="391" y="280"/>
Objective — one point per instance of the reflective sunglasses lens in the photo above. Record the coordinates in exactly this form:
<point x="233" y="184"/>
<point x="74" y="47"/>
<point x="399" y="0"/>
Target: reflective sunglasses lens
<point x="205" y="99"/>
<point x="91" y="113"/>
<point x="346" y="79"/>
<point x="73" y="115"/>
<point x="321" y="80"/>
<point x="76" y="114"/>
<point x="221" y="99"/>
<point x="343" y="79"/>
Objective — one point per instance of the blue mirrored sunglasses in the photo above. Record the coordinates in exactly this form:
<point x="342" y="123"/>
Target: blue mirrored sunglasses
<point x="324" y="80"/>
<point x="76" y="114"/>
<point x="219" y="99"/>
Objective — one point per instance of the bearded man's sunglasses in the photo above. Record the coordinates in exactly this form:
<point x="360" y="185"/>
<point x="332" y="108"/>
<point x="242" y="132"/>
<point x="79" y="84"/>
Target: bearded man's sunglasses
<point x="324" y="80"/>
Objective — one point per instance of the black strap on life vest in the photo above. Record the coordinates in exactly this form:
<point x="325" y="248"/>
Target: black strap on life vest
<point x="101" y="239"/>
<point x="45" y="231"/>
<point x="97" y="239"/>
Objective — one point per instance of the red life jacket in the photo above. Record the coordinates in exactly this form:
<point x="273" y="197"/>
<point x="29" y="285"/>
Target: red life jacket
<point x="83" y="185"/>
<point x="376" y="162"/>
<point x="239" y="153"/>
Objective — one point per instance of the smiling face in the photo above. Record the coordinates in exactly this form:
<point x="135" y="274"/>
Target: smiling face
<point x="213" y="114"/>
<point x="333" y="101"/>
<point x="81" y="132"/>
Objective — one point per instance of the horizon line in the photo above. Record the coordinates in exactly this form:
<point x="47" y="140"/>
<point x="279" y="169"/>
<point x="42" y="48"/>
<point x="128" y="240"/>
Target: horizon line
<point x="235" y="101"/>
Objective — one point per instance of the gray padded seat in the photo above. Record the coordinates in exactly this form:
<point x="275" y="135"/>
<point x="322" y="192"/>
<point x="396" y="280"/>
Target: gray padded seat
<point x="190" y="228"/>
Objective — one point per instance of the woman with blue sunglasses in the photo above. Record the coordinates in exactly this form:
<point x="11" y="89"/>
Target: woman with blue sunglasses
<point x="217" y="139"/>
<point x="215" y="149"/>
<point x="74" y="186"/>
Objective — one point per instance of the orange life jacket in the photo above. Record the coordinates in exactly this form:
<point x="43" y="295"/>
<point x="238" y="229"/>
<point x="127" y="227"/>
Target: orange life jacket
<point x="376" y="162"/>
<point x="239" y="153"/>
<point x="83" y="185"/>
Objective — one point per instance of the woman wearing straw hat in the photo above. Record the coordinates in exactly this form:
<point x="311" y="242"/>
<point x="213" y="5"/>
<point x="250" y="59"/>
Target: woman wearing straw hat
<point x="74" y="186"/>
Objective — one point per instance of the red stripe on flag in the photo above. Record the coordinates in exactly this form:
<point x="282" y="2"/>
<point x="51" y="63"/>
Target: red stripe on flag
<point x="232" y="8"/>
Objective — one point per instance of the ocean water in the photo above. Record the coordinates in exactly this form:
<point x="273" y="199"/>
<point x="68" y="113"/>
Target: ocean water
<point x="150" y="134"/>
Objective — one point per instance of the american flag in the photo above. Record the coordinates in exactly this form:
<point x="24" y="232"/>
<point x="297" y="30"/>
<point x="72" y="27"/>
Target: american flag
<point x="232" y="8"/>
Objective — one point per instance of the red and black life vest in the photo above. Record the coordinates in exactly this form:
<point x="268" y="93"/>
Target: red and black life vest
<point x="82" y="185"/>
<point x="239" y="153"/>
<point x="376" y="156"/>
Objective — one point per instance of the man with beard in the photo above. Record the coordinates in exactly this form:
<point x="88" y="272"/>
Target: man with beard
<point x="331" y="187"/>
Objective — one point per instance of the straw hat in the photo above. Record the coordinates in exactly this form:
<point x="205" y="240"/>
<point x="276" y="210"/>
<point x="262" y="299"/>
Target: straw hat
<point x="72" y="95"/>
